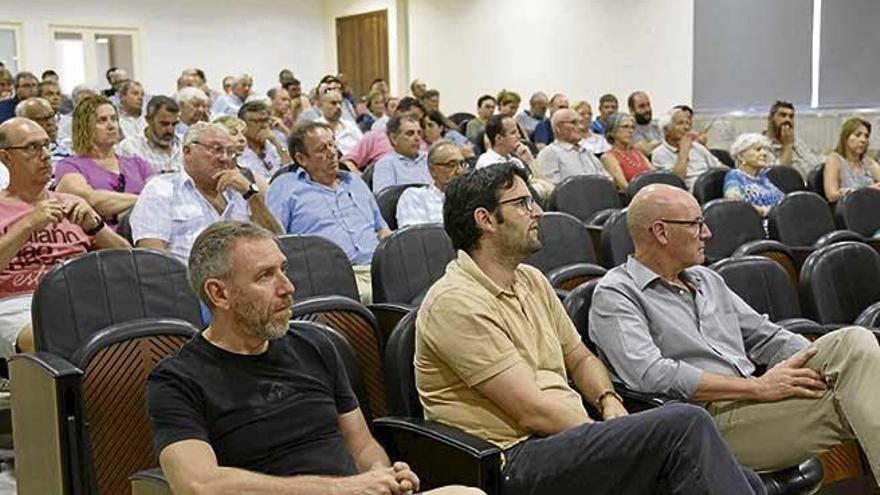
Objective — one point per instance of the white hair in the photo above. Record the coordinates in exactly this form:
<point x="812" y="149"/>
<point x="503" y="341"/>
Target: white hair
<point x="79" y="89"/>
<point x="196" y="130"/>
<point x="746" y="141"/>
<point x="665" y="120"/>
<point x="188" y="94"/>
<point x="242" y="78"/>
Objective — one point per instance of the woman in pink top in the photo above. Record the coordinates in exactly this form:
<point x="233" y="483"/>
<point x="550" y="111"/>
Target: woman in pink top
<point x="632" y="162"/>
<point x="108" y="182"/>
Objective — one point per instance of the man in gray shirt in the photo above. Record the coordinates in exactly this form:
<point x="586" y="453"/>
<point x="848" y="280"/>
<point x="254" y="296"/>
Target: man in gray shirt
<point x="669" y="326"/>
<point x="565" y="157"/>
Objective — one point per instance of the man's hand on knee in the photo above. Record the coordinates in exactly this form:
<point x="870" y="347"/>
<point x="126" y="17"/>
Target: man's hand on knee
<point x="790" y="378"/>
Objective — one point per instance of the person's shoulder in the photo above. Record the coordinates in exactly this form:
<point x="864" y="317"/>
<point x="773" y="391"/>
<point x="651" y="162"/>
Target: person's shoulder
<point x="183" y="363"/>
<point x="734" y="175"/>
<point x="619" y="276"/>
<point x="161" y="185"/>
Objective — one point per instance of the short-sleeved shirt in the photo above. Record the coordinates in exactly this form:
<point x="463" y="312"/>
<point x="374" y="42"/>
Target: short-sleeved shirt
<point x="561" y="160"/>
<point x="161" y="161"/>
<point x="226" y="105"/>
<point x="544" y="132"/>
<point x="632" y="162"/>
<point x="491" y="157"/>
<point x="266" y="166"/>
<point x="647" y="132"/>
<point x="469" y="330"/>
<point x="275" y="413"/>
<point x="758" y="190"/>
<point x="347" y="136"/>
<point x="171" y="209"/>
<point x="596" y="143"/>
<point x="347" y="214"/>
<point x="131" y="126"/>
<point x="134" y="169"/>
<point x="659" y="338"/>
<point x="43" y="249"/>
<point x="395" y="169"/>
<point x="700" y="160"/>
<point x="418" y="205"/>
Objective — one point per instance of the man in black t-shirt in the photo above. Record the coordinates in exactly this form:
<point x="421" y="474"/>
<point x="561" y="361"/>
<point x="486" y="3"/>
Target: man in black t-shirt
<point x="248" y="407"/>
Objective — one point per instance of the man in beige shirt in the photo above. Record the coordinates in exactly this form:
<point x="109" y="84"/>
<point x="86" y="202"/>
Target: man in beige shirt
<point x="495" y="352"/>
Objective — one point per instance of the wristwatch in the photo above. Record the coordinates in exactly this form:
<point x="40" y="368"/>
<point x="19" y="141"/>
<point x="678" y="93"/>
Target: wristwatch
<point x="604" y="394"/>
<point x="252" y="189"/>
<point x="97" y="228"/>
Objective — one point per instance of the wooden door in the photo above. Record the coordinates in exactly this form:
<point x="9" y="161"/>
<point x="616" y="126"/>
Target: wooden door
<point x="362" y="49"/>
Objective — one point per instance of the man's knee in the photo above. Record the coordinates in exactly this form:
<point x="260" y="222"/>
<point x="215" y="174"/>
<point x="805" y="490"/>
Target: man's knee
<point x="682" y="420"/>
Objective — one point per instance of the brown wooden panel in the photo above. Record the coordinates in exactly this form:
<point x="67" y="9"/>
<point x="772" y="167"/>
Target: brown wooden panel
<point x="362" y="49"/>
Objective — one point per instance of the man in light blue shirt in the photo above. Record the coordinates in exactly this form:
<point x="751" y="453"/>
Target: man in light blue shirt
<point x="229" y="104"/>
<point x="323" y="200"/>
<point x="173" y="209"/>
<point x="405" y="165"/>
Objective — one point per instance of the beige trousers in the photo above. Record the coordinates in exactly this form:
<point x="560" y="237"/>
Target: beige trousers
<point x="775" y="435"/>
<point x="364" y="283"/>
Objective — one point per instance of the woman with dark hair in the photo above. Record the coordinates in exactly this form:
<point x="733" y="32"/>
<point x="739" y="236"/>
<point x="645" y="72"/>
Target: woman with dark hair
<point x="109" y="182"/>
<point x="849" y="167"/>
<point x="435" y="126"/>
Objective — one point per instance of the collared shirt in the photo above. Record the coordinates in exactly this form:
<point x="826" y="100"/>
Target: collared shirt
<point x="64" y="136"/>
<point x="803" y="159"/>
<point x="162" y="161"/>
<point x="310" y="115"/>
<point x="660" y="338"/>
<point x="347" y="215"/>
<point x="347" y="136"/>
<point x="370" y="148"/>
<point x="527" y="121"/>
<point x="419" y="205"/>
<point x="180" y="130"/>
<point x="647" y="132"/>
<point x="491" y="157"/>
<point x="226" y="105"/>
<point x="171" y="209"/>
<point x="380" y="124"/>
<point x="469" y="330"/>
<point x="700" y="160"/>
<point x="595" y="144"/>
<point x="544" y="132"/>
<point x="131" y="126"/>
<point x="266" y="166"/>
<point x="561" y="160"/>
<point x="394" y="169"/>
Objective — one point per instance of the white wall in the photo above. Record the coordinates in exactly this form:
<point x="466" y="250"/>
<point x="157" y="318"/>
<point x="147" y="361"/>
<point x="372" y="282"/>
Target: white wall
<point x="223" y="38"/>
<point x="582" y="47"/>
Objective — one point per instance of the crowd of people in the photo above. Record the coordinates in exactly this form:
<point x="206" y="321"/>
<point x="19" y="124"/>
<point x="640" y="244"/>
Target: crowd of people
<point x="212" y="176"/>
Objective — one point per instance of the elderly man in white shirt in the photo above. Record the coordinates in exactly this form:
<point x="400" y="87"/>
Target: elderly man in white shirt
<point x="231" y="103"/>
<point x="565" y="157"/>
<point x="265" y="153"/>
<point x="680" y="153"/>
<point x="131" y="108"/>
<point x="346" y="131"/>
<point x="173" y="209"/>
<point x="418" y="205"/>
<point x="157" y="144"/>
<point x="194" y="104"/>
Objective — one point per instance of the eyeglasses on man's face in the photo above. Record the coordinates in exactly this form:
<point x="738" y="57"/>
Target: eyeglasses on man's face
<point x="32" y="149"/>
<point x="699" y="223"/>
<point x="219" y="150"/>
<point x="526" y="203"/>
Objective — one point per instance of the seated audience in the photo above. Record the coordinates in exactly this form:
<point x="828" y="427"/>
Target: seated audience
<point x="319" y="198"/>
<point x="229" y="104"/>
<point x="25" y="86"/>
<point x="680" y="153"/>
<point x="375" y="112"/>
<point x="669" y="326"/>
<point x="40" y="228"/>
<point x="131" y="108"/>
<point x="194" y="106"/>
<point x="485" y="109"/>
<point x="265" y="153"/>
<point x="594" y="143"/>
<point x="607" y="107"/>
<point x="281" y="119"/>
<point x="785" y="147"/>
<point x="375" y="144"/>
<point x="849" y="167"/>
<point x="157" y="144"/>
<point x="406" y="164"/>
<point x="227" y="85"/>
<point x="431" y="100"/>
<point x="108" y="181"/>
<point x="506" y="147"/>
<point x="702" y="135"/>
<point x="544" y="130"/>
<point x="647" y="134"/>
<point x="749" y="181"/>
<point x="495" y="355"/>
<point x="425" y="204"/>
<point x="117" y="78"/>
<point x="565" y="157"/>
<point x="380" y="86"/>
<point x="537" y="111"/>
<point x="508" y="104"/>
<point x="247" y="406"/>
<point x="435" y="126"/>
<point x="298" y="102"/>
<point x="40" y="111"/>
<point x="174" y="208"/>
<point x="51" y="91"/>
<point x="417" y="88"/>
<point x="623" y="155"/>
<point x="346" y="131"/>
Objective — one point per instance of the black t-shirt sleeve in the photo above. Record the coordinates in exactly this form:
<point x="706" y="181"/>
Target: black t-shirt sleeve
<point x="174" y="408"/>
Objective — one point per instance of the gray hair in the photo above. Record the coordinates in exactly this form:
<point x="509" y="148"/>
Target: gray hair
<point x="435" y="149"/>
<point x="665" y="120"/>
<point x="188" y="94"/>
<point x="242" y="78"/>
<point x="196" y="131"/>
<point x="746" y="141"/>
<point x="126" y="86"/>
<point x="614" y="122"/>
<point x="26" y="107"/>
<point x="78" y="91"/>
<point x="210" y="254"/>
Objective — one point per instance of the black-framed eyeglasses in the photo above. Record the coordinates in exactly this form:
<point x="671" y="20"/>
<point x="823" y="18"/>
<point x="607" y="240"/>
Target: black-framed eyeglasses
<point x="526" y="203"/>
<point x="699" y="222"/>
<point x="218" y="150"/>
<point x="31" y="148"/>
<point x="450" y="164"/>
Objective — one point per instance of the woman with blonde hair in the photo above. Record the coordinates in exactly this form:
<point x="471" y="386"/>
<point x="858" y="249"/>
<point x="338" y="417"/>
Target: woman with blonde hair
<point x="109" y="182"/>
<point x="849" y="167"/>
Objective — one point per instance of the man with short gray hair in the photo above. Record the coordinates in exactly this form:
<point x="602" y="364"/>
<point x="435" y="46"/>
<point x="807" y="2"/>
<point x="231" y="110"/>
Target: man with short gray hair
<point x="174" y="208"/>
<point x="680" y="152"/>
<point x="419" y="205"/>
<point x="231" y="103"/>
<point x="26" y="85"/>
<point x="565" y="157"/>
<point x="156" y="143"/>
<point x="194" y="106"/>
<point x="530" y="118"/>
<point x="131" y="106"/>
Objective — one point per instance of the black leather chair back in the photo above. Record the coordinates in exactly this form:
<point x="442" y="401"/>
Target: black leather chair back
<point x="839" y="281"/>
<point x="577" y="305"/>
<point x="400" y="375"/>
<point x="615" y="242"/>
<point x="763" y="284"/>
<point x="408" y="262"/>
<point x="710" y="185"/>
<point x="367" y="175"/>
<point x="733" y="223"/>
<point x="657" y="177"/>
<point x="292" y="167"/>
<point x="123" y="228"/>
<point x="387" y="200"/>
<point x="565" y="241"/>
<point x="723" y="156"/>
<point x="859" y="211"/>
<point x="459" y="117"/>
<point x="317" y="267"/>
<point x="584" y="195"/>
<point x="83" y="295"/>
<point x="800" y="219"/>
<point x="786" y="178"/>
<point x="816" y="180"/>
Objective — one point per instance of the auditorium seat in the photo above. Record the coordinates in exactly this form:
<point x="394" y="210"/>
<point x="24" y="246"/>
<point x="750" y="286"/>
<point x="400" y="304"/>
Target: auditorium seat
<point x="408" y="262"/>
<point x="738" y="228"/>
<point x="839" y="285"/>
<point x="317" y="267"/>
<point x="816" y="180"/>
<point x="655" y="177"/>
<point x="616" y="243"/>
<point x="123" y="227"/>
<point x="723" y="156"/>
<point x="461" y="117"/>
<point x="589" y="198"/>
<point x="387" y="200"/>
<point x="710" y="185"/>
<point x="367" y="175"/>
<point x="786" y="178"/>
<point x="859" y="211"/>
<point x="566" y="257"/>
